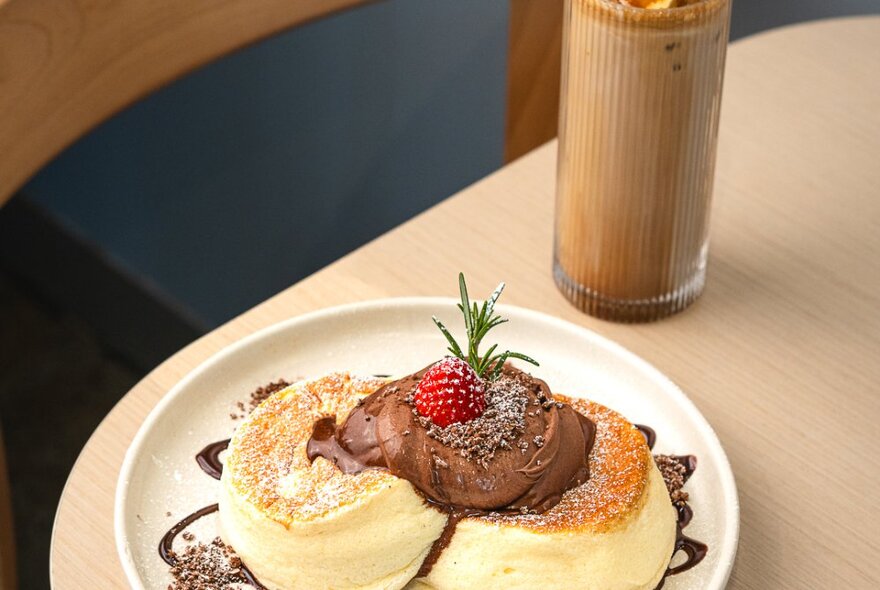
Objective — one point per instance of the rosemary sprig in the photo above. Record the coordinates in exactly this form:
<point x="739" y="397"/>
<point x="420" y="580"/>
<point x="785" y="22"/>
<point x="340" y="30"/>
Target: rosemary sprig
<point x="478" y="320"/>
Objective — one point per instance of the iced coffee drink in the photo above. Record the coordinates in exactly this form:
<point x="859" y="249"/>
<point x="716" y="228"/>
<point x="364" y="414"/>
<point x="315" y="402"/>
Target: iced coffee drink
<point x="640" y="100"/>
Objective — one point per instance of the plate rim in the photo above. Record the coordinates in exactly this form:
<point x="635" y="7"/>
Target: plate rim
<point x="729" y="542"/>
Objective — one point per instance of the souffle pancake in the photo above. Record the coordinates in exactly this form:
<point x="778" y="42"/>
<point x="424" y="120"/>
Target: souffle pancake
<point x="469" y="473"/>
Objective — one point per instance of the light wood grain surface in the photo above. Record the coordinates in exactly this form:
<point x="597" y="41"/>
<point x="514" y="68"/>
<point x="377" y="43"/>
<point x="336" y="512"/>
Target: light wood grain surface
<point x="780" y="354"/>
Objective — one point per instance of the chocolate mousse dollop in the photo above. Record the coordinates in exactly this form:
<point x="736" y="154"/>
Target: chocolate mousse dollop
<point x="522" y="454"/>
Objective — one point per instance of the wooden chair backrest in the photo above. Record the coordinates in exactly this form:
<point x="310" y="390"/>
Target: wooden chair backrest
<point x="66" y="66"/>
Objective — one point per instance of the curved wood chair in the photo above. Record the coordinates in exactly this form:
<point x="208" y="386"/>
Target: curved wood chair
<point x="68" y="65"/>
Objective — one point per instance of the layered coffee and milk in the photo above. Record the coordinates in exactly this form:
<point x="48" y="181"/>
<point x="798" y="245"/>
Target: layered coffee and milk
<point x="640" y="102"/>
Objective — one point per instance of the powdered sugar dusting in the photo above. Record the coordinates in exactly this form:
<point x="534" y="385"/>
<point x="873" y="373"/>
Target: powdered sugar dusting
<point x="268" y="464"/>
<point x="450" y="392"/>
<point x="207" y="566"/>
<point x="499" y="426"/>
<point x="619" y="466"/>
<point x="267" y="460"/>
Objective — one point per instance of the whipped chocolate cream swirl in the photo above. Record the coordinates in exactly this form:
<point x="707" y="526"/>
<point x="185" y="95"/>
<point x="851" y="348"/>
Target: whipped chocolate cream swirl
<point x="522" y="454"/>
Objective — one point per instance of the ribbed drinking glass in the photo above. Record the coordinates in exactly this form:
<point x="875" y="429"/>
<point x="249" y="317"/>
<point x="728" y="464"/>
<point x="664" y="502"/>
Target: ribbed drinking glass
<point x="640" y="102"/>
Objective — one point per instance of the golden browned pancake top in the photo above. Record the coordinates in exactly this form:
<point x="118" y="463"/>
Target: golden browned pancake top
<point x="619" y="464"/>
<point x="267" y="462"/>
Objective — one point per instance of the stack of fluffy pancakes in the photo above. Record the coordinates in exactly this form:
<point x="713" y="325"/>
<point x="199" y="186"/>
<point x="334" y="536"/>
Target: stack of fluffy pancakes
<point x="300" y="524"/>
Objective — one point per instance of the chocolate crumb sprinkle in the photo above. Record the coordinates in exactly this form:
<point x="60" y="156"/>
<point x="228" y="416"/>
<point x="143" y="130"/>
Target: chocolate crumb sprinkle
<point x="211" y="566"/>
<point x="261" y="394"/>
<point x="673" y="472"/>
<point x="502" y="422"/>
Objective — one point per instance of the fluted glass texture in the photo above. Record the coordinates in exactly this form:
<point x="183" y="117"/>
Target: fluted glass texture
<point x="640" y="102"/>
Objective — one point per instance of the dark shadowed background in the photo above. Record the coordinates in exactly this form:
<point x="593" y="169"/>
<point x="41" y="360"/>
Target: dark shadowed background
<point x="229" y="185"/>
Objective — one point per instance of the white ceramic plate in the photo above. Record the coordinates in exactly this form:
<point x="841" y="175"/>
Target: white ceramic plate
<point x="396" y="336"/>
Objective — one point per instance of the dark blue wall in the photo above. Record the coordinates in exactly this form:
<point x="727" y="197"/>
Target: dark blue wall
<point x="252" y="173"/>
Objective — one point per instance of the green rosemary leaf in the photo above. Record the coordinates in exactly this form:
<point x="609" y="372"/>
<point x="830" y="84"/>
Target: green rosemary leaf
<point x="499" y="364"/>
<point x="478" y="320"/>
<point x="522" y="357"/>
<point x="482" y="319"/>
<point x="490" y="360"/>
<point x="465" y="302"/>
<point x="454" y="348"/>
<point x="493" y="298"/>
<point x="475" y="316"/>
<point x="478" y="337"/>
<point x="483" y="364"/>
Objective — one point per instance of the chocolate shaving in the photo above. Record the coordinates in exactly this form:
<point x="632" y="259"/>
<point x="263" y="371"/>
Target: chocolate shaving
<point x="674" y="474"/>
<point x="502" y="422"/>
<point x="261" y="394"/>
<point x="212" y="566"/>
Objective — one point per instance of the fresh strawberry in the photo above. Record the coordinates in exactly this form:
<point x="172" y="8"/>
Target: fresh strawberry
<point x="450" y="392"/>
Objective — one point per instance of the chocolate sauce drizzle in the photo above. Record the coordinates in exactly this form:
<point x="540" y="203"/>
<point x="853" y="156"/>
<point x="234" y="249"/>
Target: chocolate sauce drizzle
<point x="649" y="433"/>
<point x="442" y="542"/>
<point x="165" y="546"/>
<point x="694" y="550"/>
<point x="209" y="460"/>
<point x="166" y="551"/>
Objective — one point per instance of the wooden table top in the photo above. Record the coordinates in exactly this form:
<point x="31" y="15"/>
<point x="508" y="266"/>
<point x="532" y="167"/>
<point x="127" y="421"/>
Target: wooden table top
<point x="781" y="353"/>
